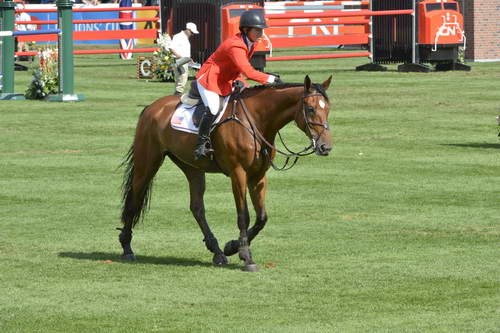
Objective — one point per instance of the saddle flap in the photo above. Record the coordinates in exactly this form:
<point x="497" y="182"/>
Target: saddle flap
<point x="193" y="97"/>
<point x="197" y="114"/>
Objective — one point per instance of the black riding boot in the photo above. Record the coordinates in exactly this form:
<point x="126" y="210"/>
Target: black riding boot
<point x="204" y="146"/>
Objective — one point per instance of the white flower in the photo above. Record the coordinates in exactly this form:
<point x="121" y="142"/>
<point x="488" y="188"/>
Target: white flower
<point x="164" y="41"/>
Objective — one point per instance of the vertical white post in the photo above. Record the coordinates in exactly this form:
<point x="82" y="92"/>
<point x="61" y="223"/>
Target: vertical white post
<point x="414" y="34"/>
<point x="372" y="56"/>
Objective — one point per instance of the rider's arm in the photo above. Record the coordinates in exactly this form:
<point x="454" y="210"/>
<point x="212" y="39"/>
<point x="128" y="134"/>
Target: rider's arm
<point x="239" y="57"/>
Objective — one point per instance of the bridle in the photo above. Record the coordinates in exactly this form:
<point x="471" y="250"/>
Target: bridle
<point x="289" y="154"/>
<point x="309" y="109"/>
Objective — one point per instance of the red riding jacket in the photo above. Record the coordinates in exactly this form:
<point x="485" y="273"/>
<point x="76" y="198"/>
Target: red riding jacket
<point x="226" y="64"/>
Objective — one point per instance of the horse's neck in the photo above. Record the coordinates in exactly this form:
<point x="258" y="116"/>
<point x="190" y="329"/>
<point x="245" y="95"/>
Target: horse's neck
<point x="277" y="109"/>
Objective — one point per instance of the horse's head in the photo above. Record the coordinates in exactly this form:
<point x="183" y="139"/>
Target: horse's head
<point x="312" y="117"/>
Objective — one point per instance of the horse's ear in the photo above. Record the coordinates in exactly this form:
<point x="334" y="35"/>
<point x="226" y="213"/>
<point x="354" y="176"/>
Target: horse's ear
<point x="307" y="83"/>
<point x="326" y="84"/>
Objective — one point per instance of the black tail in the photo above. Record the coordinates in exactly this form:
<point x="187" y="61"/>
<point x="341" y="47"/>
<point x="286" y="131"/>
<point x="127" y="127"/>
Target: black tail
<point x="134" y="205"/>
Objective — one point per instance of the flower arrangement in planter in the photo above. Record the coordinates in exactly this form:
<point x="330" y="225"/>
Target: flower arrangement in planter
<point x="164" y="59"/>
<point x="45" y="75"/>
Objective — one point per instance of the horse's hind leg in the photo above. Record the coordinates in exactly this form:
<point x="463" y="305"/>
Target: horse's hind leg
<point x="196" y="179"/>
<point x="257" y="189"/>
<point x="143" y="161"/>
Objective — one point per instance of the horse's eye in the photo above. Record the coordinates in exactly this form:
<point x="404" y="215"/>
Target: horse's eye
<point x="310" y="109"/>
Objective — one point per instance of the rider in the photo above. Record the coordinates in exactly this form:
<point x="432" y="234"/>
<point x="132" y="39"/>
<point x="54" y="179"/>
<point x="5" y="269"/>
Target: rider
<point x="228" y="63"/>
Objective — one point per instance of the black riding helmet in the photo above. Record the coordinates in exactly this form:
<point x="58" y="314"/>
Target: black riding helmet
<point x="253" y="19"/>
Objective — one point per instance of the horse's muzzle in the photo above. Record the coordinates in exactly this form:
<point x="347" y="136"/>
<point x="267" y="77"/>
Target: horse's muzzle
<point x="322" y="149"/>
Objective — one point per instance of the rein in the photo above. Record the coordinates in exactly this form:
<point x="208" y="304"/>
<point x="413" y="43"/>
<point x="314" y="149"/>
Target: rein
<point x="289" y="154"/>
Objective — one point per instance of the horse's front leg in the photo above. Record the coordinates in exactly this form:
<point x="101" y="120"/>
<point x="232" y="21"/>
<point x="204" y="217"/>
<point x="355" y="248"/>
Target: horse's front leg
<point x="257" y="189"/>
<point x="239" y="182"/>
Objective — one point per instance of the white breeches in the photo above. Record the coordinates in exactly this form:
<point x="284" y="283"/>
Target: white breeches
<point x="210" y="98"/>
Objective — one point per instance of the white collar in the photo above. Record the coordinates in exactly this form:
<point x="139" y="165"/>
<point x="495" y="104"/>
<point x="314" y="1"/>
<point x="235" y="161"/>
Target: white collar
<point x="248" y="42"/>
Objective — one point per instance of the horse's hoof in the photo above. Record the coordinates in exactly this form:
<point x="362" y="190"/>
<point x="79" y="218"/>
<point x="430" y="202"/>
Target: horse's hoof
<point x="220" y="260"/>
<point x="231" y="247"/>
<point x="129" y="257"/>
<point x="251" y="268"/>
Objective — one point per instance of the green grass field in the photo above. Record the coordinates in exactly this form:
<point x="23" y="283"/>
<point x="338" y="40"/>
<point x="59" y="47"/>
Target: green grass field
<point x="398" y="230"/>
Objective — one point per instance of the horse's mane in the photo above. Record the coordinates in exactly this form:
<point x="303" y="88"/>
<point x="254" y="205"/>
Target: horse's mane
<point x="253" y="89"/>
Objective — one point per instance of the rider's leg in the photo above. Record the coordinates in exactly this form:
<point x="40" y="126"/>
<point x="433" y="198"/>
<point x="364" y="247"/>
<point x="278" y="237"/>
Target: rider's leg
<point x="211" y="102"/>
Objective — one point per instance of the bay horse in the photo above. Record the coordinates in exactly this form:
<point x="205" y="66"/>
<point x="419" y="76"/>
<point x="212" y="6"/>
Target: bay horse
<point x="243" y="145"/>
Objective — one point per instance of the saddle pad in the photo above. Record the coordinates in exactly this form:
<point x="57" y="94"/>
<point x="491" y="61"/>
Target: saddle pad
<point x="182" y="118"/>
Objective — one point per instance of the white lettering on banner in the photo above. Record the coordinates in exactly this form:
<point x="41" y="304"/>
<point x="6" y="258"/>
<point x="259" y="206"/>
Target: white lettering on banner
<point x="112" y="26"/>
<point x="323" y="29"/>
<point x="87" y="27"/>
<point x="97" y="26"/>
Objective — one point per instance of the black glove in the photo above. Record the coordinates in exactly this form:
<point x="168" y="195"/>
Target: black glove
<point x="238" y="84"/>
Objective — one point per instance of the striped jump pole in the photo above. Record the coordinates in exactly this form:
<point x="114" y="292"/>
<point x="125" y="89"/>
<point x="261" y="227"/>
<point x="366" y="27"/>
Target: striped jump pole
<point x="29" y="33"/>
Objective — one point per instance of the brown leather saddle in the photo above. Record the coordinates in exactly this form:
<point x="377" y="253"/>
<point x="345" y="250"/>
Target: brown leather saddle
<point x="193" y="98"/>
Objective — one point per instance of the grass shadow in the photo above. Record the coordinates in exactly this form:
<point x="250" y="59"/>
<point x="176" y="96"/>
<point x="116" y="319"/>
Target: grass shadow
<point x="474" y="145"/>
<point x="114" y="257"/>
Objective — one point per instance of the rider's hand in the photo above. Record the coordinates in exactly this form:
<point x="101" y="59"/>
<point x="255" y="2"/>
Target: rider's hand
<point x="238" y="84"/>
<point x="277" y="80"/>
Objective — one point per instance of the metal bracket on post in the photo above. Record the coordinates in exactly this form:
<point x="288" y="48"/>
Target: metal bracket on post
<point x="65" y="51"/>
